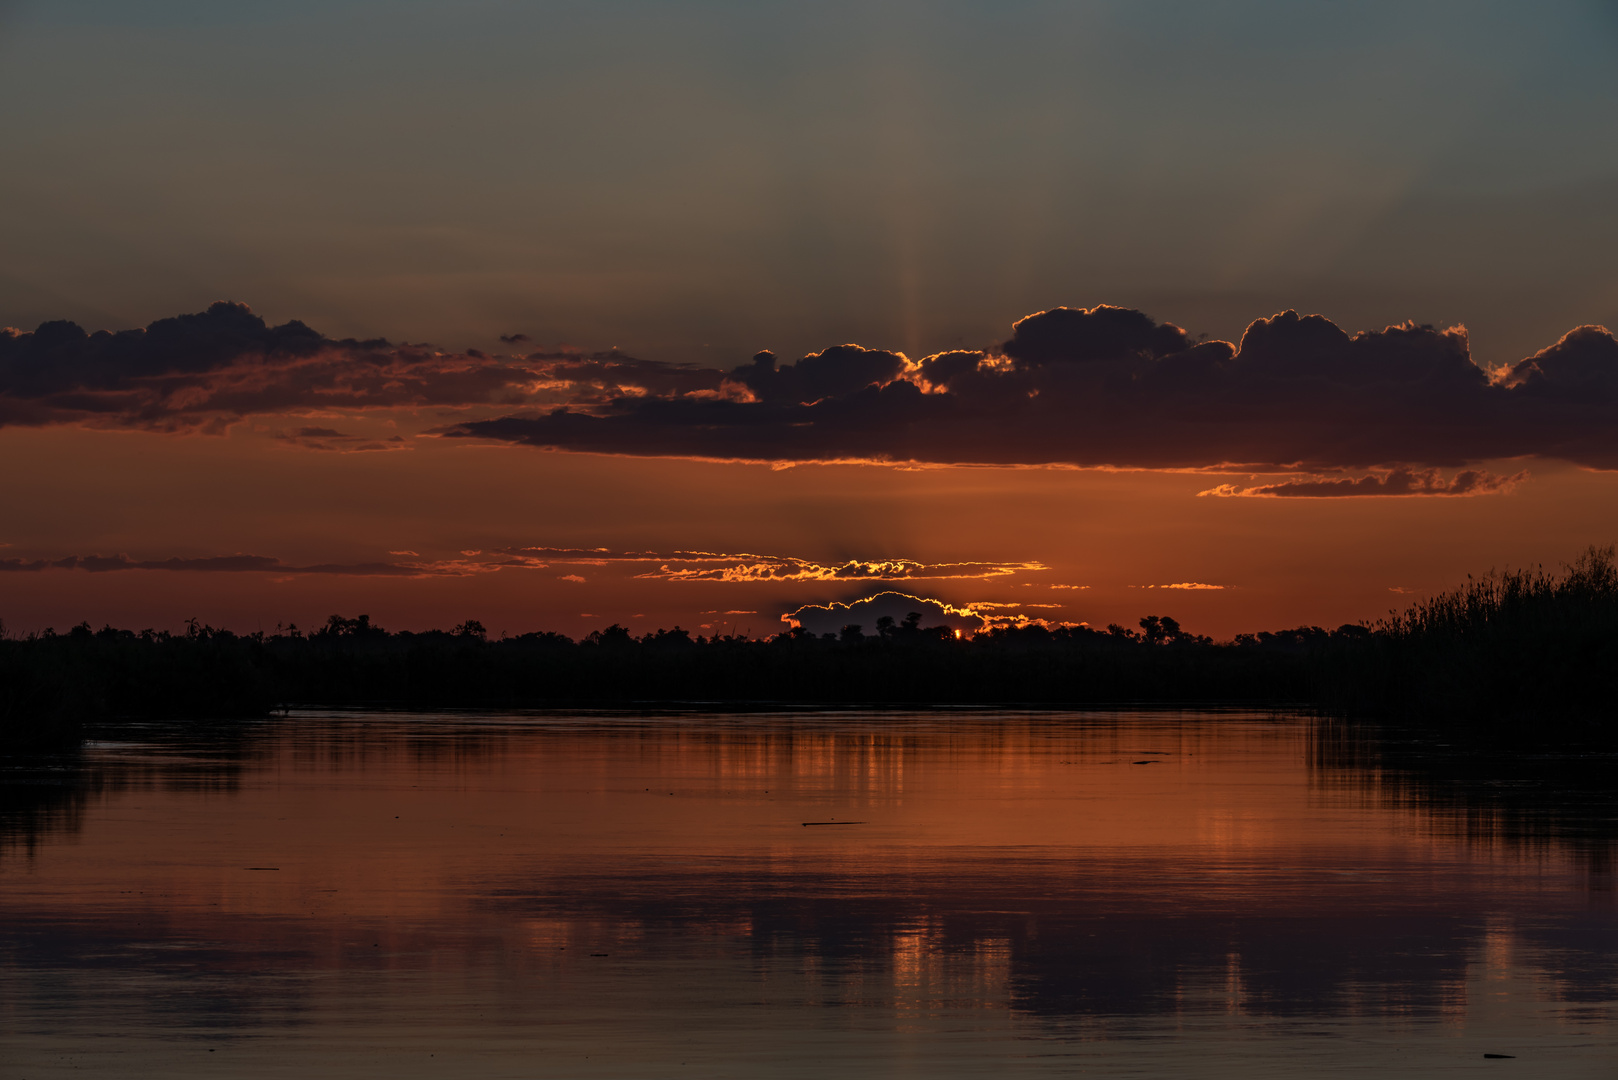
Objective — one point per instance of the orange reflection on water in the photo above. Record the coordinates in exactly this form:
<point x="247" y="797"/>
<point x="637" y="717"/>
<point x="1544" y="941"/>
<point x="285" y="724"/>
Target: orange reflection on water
<point x="994" y="876"/>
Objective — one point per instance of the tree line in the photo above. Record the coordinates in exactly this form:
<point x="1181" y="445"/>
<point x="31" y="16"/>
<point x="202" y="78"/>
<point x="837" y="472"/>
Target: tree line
<point x="1511" y="647"/>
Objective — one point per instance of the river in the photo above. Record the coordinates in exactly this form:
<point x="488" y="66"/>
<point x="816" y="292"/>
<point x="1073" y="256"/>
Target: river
<point x="943" y="894"/>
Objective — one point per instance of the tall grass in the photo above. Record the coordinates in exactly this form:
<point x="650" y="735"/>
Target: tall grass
<point x="1513" y="603"/>
<point x="1509" y="648"/>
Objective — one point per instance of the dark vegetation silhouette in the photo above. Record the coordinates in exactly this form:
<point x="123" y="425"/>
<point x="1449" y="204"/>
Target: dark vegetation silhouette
<point x="1518" y="645"/>
<point x="1509" y="654"/>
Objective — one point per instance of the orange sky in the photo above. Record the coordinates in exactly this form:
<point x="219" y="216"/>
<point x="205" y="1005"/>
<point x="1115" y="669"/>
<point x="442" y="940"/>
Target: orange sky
<point x="1280" y="562"/>
<point x="612" y="209"/>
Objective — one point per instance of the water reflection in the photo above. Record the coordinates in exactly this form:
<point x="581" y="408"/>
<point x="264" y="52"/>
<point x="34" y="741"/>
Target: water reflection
<point x="1525" y="799"/>
<point x="592" y="895"/>
<point x="47" y="794"/>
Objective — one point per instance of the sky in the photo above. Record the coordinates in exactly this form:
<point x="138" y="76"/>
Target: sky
<point x="554" y="315"/>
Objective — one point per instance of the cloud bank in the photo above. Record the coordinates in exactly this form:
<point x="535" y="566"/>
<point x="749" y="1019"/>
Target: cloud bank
<point x="1108" y="386"/>
<point x="1104" y="386"/>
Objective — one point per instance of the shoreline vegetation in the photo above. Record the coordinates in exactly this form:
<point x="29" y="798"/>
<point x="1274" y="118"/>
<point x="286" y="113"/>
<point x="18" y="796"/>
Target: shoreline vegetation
<point x="1514" y="655"/>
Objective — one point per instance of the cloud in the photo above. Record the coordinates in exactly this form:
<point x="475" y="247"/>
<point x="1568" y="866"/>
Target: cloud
<point x="740" y="568"/>
<point x="1101" y="386"/>
<point x="1191" y="586"/>
<point x="831" y="618"/>
<point x="748" y="567"/>
<point x="205" y="371"/>
<point x="1109" y="386"/>
<point x="832" y="373"/>
<point x="1395" y="482"/>
<point x="572" y="577"/>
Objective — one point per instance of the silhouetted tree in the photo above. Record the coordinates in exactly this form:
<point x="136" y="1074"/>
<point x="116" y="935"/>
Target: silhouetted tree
<point x="358" y="627"/>
<point x="614" y="636"/>
<point x="1532" y="648"/>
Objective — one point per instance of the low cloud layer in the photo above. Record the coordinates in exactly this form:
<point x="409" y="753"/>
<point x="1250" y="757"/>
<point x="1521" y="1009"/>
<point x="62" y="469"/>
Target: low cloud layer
<point x="1104" y="386"/>
<point x="747" y="567"/>
<point x="680" y="566"/>
<point x="1110" y="387"/>
<point x="1395" y="482"/>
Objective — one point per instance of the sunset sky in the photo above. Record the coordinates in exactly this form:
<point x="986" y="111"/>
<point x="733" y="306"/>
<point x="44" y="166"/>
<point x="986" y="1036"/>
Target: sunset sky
<point x="1251" y="314"/>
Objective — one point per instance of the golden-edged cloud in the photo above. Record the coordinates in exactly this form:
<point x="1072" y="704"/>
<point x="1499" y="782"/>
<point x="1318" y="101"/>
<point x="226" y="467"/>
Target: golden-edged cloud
<point x="1103" y="386"/>
<point x="697" y="566"/>
<point x="1111" y="387"/>
<point x="832" y="617"/>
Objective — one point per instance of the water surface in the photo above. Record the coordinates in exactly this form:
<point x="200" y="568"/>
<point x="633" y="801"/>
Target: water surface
<point x="929" y="895"/>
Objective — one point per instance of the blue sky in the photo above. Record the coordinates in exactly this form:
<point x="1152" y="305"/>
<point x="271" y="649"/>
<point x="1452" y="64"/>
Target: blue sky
<point x="693" y="181"/>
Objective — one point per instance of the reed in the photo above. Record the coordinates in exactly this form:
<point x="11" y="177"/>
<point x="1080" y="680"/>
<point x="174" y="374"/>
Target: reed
<point x="1505" y="650"/>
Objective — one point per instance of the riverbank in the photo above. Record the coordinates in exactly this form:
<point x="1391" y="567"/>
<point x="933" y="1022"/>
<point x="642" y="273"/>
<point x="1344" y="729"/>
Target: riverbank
<point x="1524" y="653"/>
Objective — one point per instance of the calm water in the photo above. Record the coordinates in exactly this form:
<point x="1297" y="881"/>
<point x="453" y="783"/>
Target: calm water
<point x="979" y="895"/>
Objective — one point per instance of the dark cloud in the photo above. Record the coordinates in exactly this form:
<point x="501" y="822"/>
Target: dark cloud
<point x="1583" y="365"/>
<point x="1394" y="482"/>
<point x="208" y="370"/>
<point x="1076" y="335"/>
<point x="1104" y="386"/>
<point x="831" y="618"/>
<point x="1110" y="387"/>
<point x="836" y="372"/>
